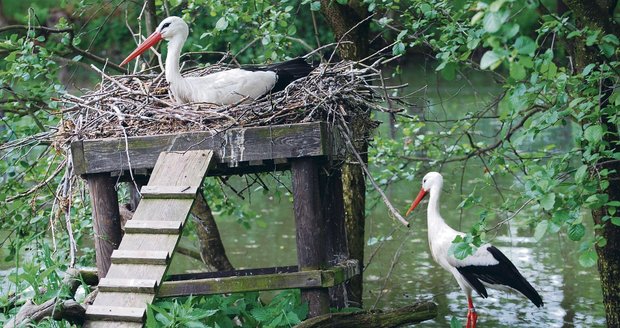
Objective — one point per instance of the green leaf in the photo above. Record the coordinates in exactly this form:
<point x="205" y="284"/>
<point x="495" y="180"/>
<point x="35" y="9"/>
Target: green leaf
<point x="398" y="49"/>
<point x="221" y="24"/>
<point x="493" y="21"/>
<point x="541" y="229"/>
<point x="496" y="5"/>
<point x="547" y="201"/>
<point x="455" y="323"/>
<point x="593" y="134"/>
<point x="517" y="71"/>
<point x="315" y="6"/>
<point x="588" y="258"/>
<point x="525" y="45"/>
<point x="615" y="221"/>
<point x="342" y="2"/>
<point x="460" y="250"/>
<point x="576" y="232"/>
<point x="490" y="59"/>
<point x="581" y="174"/>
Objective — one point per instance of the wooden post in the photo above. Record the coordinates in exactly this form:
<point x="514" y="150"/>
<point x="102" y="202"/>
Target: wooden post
<point x="330" y="180"/>
<point x="106" y="218"/>
<point x="310" y="225"/>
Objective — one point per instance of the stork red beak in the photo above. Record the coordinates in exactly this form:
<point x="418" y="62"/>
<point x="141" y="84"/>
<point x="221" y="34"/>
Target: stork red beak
<point x="417" y="200"/>
<point x="149" y="42"/>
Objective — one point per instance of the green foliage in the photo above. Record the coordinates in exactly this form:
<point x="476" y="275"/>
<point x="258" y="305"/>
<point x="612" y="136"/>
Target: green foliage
<point x="236" y="310"/>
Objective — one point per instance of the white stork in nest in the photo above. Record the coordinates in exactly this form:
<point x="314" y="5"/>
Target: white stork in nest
<point x="221" y="88"/>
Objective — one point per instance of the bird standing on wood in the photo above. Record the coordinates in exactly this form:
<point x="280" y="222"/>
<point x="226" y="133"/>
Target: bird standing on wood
<point x="221" y="88"/>
<point x="488" y="267"/>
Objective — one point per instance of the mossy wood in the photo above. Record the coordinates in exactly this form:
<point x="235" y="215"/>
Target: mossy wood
<point x="142" y="258"/>
<point x="235" y="150"/>
<point x="233" y="283"/>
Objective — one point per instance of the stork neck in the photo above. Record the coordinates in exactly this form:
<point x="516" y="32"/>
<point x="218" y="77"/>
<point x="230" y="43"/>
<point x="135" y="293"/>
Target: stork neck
<point x="173" y="71"/>
<point x="434" y="217"/>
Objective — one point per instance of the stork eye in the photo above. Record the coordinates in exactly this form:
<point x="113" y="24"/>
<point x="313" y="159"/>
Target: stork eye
<point x="165" y="25"/>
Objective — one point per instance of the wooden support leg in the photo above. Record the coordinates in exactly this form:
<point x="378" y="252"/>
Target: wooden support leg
<point x="336" y="237"/>
<point x="106" y="218"/>
<point x="311" y="229"/>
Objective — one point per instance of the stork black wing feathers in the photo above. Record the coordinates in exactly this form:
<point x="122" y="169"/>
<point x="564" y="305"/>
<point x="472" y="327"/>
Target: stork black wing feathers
<point x="503" y="273"/>
<point x="287" y="71"/>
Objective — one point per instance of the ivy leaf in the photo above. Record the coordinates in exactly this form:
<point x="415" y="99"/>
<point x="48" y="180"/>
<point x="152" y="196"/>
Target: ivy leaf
<point x="525" y="45"/>
<point x="460" y="250"/>
<point x="576" y="232"/>
<point x="615" y="221"/>
<point x="315" y="6"/>
<point x="588" y="258"/>
<point x="493" y="21"/>
<point x="517" y="71"/>
<point x="489" y="59"/>
<point x="593" y="134"/>
<point x="541" y="229"/>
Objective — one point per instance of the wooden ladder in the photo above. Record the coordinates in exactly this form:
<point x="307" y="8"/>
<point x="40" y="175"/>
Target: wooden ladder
<point x="142" y="258"/>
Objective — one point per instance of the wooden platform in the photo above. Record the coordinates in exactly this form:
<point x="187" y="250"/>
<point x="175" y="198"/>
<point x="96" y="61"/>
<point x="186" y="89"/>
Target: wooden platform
<point x="142" y="258"/>
<point x="238" y="150"/>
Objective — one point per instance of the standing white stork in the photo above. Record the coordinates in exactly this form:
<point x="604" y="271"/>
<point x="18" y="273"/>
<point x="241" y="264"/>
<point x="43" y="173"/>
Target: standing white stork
<point x="221" y="88"/>
<point x="488" y="267"/>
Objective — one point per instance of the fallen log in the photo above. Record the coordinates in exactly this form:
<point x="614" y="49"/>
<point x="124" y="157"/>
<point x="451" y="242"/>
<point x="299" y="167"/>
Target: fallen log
<point x="411" y="314"/>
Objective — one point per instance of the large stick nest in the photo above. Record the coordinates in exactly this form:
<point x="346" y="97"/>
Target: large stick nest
<point x="132" y="105"/>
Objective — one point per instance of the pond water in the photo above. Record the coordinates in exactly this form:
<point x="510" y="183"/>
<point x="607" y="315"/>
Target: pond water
<point x="399" y="269"/>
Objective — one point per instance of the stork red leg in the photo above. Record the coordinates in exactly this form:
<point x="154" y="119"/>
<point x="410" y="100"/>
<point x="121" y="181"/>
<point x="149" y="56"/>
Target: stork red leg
<point x="472" y="317"/>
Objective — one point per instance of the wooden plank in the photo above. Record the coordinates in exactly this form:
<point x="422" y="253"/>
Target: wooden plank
<point x="231" y="146"/>
<point x="124" y="299"/>
<point x="167" y="192"/>
<point x="154" y="210"/>
<point x="129" y="285"/>
<point x="144" y="271"/>
<point x="186" y="168"/>
<point x="140" y="257"/>
<point x="112" y="324"/>
<point x="153" y="227"/>
<point x="304" y="279"/>
<point x="116" y="313"/>
<point x="149" y="242"/>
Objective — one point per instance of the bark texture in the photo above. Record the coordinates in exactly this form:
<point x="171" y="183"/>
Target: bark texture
<point x="212" y="250"/>
<point x="347" y="23"/>
<point x="599" y="15"/>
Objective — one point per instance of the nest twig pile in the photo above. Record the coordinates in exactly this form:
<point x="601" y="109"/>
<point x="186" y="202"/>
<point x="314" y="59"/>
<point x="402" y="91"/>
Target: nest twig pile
<point x="131" y="105"/>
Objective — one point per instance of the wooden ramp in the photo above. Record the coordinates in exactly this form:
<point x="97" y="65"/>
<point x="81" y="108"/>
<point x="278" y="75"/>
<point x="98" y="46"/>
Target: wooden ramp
<point x="142" y="258"/>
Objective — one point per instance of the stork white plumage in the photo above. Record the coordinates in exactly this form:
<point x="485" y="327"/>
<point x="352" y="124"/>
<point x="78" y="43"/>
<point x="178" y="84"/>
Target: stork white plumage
<point x="221" y="88"/>
<point x="488" y="267"/>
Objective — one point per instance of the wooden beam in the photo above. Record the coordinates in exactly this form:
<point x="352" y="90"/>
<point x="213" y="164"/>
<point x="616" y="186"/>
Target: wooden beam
<point x="153" y="226"/>
<point x="168" y="192"/>
<point x="120" y="313"/>
<point x="310" y="228"/>
<point x="128" y="285"/>
<point x="106" y="218"/>
<point x="245" y="283"/>
<point x="140" y="257"/>
<point x="232" y="147"/>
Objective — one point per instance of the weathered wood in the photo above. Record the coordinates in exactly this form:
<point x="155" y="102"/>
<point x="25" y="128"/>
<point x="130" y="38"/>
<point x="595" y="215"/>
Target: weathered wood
<point x="411" y="314"/>
<point x="129" y="285"/>
<point x="167" y="192"/>
<point x="116" y="313"/>
<point x="246" y="283"/>
<point x="112" y="324"/>
<point x="153" y="209"/>
<point x="310" y="227"/>
<point x="140" y="257"/>
<point x="231" y="146"/>
<point x="29" y="313"/>
<point x="106" y="218"/>
<point x="122" y="299"/>
<point x="144" y="271"/>
<point x="330" y="181"/>
<point x="153" y="227"/>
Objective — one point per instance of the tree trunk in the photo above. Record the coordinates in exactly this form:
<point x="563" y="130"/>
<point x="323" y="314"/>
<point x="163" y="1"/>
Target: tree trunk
<point x="212" y="250"/>
<point x="599" y="15"/>
<point x="346" y="23"/>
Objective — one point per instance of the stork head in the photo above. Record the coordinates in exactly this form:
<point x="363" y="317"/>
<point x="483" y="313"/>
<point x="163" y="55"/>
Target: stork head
<point x="169" y="28"/>
<point x="432" y="180"/>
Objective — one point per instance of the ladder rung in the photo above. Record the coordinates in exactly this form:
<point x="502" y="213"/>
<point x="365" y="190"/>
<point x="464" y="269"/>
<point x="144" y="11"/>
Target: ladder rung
<point x="167" y="192"/>
<point x="118" y="313"/>
<point x="153" y="227"/>
<point x="128" y="285"/>
<point x="139" y="257"/>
